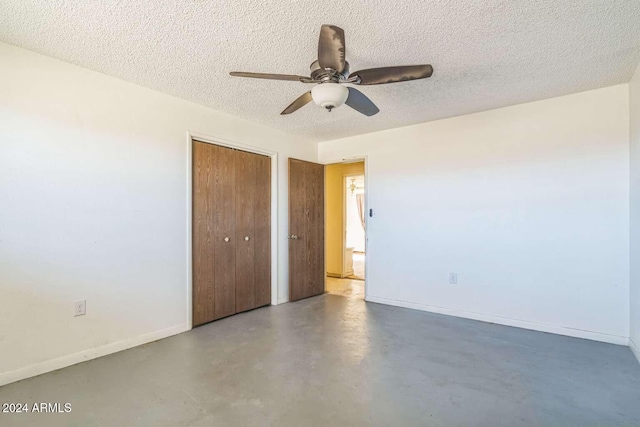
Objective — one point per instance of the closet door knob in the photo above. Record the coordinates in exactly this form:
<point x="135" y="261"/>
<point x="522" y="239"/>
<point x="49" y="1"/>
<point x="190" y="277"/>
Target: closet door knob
<point x="226" y="239"/>
<point x="246" y="238"/>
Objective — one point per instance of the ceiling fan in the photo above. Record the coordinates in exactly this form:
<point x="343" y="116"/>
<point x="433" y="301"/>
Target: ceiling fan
<point x="331" y="70"/>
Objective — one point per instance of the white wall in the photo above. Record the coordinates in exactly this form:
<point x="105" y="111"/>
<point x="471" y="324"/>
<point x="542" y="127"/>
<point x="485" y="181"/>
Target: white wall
<point x="93" y="204"/>
<point x="528" y="204"/>
<point x="634" y="125"/>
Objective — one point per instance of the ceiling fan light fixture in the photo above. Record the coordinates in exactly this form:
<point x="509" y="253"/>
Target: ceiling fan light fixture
<point x="329" y="95"/>
<point x="331" y="69"/>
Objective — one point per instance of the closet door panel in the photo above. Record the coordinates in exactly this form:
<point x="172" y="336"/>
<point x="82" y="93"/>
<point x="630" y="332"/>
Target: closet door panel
<point x="203" y="284"/>
<point x="224" y="225"/>
<point x="262" y="241"/>
<point x="245" y="166"/>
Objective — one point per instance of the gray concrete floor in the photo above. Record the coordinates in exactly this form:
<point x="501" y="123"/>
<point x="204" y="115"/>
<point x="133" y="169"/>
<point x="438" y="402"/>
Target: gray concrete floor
<point x="332" y="360"/>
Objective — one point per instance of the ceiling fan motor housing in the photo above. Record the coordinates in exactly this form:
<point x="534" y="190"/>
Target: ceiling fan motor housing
<point x="319" y="73"/>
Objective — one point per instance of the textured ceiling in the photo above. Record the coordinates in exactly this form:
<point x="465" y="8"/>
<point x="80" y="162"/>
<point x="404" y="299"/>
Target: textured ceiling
<point x="485" y="53"/>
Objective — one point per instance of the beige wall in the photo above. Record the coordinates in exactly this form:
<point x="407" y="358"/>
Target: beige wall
<point x="334" y="175"/>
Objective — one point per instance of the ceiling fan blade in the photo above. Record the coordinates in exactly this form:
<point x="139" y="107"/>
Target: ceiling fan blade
<point x="359" y="102"/>
<point x="300" y="102"/>
<point x="271" y="76"/>
<point x="331" y="48"/>
<point x="378" y="76"/>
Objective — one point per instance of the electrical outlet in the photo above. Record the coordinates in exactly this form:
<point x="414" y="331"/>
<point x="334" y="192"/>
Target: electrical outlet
<point x="453" y="278"/>
<point x="80" y="308"/>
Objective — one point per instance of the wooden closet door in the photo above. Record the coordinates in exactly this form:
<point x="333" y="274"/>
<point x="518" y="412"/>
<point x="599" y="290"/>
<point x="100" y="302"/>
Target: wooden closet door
<point x="203" y="284"/>
<point x="253" y="230"/>
<point x="245" y="167"/>
<point x="213" y="233"/>
<point x="231" y="232"/>
<point x="224" y="225"/>
<point x="262" y="223"/>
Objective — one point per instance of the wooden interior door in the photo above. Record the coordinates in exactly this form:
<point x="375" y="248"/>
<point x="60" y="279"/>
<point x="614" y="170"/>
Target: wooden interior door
<point x="213" y="232"/>
<point x="262" y="241"/>
<point x="245" y="170"/>
<point x="306" y="229"/>
<point x="203" y="283"/>
<point x="253" y="231"/>
<point x="224" y="225"/>
<point x="231" y="231"/>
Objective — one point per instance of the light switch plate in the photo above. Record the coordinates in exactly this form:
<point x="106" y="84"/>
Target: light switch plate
<point x="80" y="308"/>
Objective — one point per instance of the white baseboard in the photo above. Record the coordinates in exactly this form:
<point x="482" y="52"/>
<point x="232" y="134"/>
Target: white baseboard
<point x="83" y="356"/>
<point x="283" y="300"/>
<point x="634" y="349"/>
<point x="524" y="324"/>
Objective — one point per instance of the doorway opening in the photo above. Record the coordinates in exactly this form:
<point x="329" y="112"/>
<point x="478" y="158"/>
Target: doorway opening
<point x="345" y="230"/>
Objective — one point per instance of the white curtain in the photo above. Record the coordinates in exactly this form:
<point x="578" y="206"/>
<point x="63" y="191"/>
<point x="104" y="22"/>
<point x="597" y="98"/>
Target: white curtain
<point x="360" y="203"/>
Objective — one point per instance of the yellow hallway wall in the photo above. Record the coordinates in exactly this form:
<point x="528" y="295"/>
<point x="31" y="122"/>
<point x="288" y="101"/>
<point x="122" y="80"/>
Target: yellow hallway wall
<point x="334" y="227"/>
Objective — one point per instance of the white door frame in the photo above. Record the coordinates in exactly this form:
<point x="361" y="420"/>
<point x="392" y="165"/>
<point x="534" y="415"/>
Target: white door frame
<point x="191" y="136"/>
<point x="354" y="159"/>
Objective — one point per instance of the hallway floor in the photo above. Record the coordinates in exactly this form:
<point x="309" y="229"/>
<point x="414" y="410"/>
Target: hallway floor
<point x="358" y="266"/>
<point x="345" y="287"/>
<point x="339" y="361"/>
